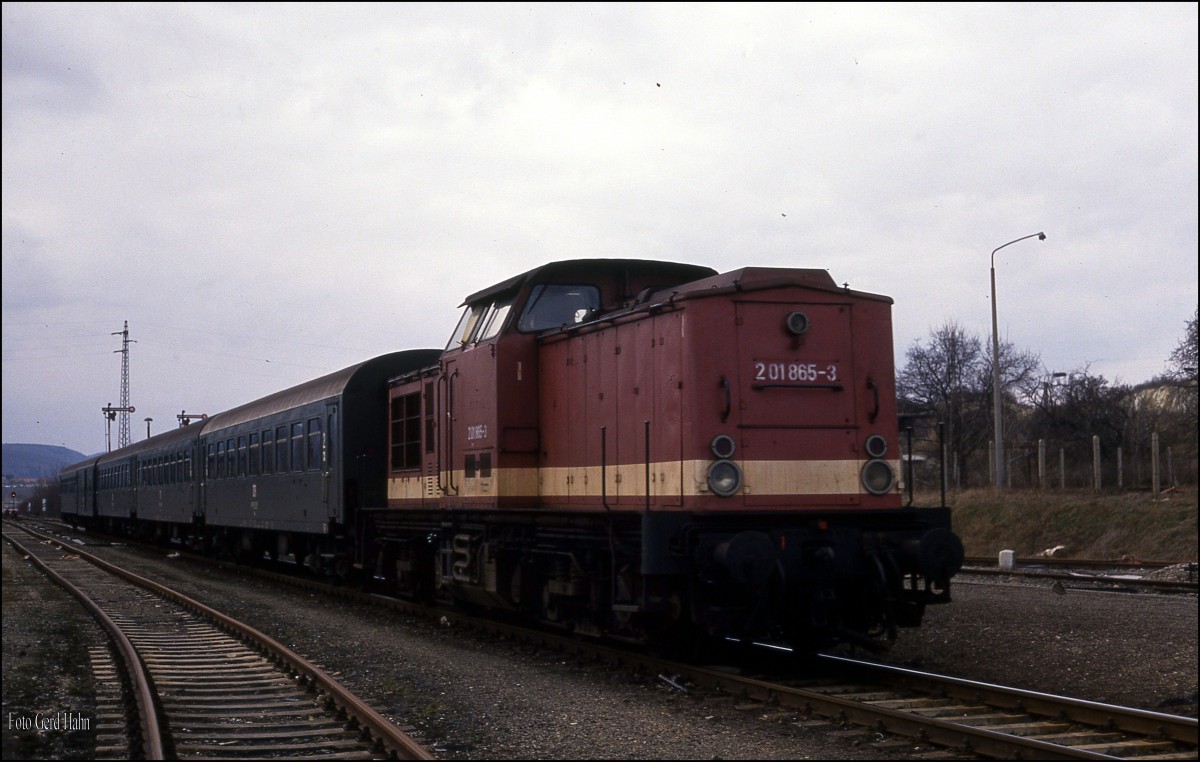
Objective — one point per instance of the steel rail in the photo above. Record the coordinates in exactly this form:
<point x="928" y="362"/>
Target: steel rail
<point x="151" y="730"/>
<point x="1090" y="563"/>
<point x="1168" y="585"/>
<point x="390" y="737"/>
<point x="1130" y="719"/>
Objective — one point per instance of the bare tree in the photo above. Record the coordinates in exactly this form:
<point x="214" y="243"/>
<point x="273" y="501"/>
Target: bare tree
<point x="949" y="378"/>
<point x="1178" y="405"/>
<point x="1183" y="363"/>
<point x="938" y="383"/>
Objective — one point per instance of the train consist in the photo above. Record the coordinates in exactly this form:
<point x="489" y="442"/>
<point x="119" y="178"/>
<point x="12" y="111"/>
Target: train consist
<point x="631" y="449"/>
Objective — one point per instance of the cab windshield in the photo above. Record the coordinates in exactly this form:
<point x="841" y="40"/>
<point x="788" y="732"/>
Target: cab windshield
<point x="480" y="321"/>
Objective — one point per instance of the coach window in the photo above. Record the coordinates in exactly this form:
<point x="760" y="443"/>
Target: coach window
<point x="331" y="440"/>
<point x="210" y="465"/>
<point x="281" y="449"/>
<point x="252" y="463"/>
<point x="268" y="452"/>
<point x="406" y="431"/>
<point x="297" y="446"/>
<point x="429" y="417"/>
<point x="314" y="443"/>
<point x="555" y="305"/>
<point x="231" y="455"/>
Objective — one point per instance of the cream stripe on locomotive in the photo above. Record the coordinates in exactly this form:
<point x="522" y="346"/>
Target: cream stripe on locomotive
<point x="761" y="477"/>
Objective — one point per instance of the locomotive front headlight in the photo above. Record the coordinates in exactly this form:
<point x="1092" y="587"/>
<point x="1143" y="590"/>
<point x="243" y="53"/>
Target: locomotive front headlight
<point x="724" y="478"/>
<point x="796" y="323"/>
<point x="876" y="446"/>
<point x="877" y="477"/>
<point x="723" y="446"/>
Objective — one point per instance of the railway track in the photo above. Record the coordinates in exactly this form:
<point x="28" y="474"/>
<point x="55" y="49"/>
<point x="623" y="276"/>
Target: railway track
<point x="207" y="686"/>
<point x="970" y="718"/>
<point x="975" y="718"/>
<point x="1086" y="574"/>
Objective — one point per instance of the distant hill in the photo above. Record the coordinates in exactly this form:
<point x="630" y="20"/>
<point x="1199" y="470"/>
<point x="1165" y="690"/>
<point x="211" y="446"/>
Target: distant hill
<point x="32" y="461"/>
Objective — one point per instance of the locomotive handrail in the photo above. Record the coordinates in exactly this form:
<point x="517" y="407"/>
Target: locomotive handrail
<point x="647" y="425"/>
<point x="604" y="469"/>
<point x="450" y="433"/>
<point x="441" y="381"/>
<point x="728" y="398"/>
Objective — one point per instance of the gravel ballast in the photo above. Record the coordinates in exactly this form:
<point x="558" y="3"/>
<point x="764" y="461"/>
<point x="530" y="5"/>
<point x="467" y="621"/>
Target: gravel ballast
<point x="467" y="697"/>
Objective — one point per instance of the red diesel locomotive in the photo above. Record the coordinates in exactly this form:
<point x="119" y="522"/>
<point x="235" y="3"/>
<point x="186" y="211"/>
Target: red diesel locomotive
<point x="630" y="449"/>
<point x="655" y="451"/>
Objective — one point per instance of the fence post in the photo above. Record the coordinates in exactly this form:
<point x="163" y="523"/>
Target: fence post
<point x="1042" y="463"/>
<point x="1154" y="464"/>
<point x="1170" y="469"/>
<point x="992" y="463"/>
<point x="1062" y="468"/>
<point x="941" y="428"/>
<point x="1120" y="470"/>
<point x="1096" y="460"/>
<point x="1008" y="467"/>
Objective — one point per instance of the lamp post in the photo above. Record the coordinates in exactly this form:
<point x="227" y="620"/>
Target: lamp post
<point x="997" y="419"/>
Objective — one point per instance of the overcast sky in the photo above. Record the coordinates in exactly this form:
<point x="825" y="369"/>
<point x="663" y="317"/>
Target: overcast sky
<point x="271" y="192"/>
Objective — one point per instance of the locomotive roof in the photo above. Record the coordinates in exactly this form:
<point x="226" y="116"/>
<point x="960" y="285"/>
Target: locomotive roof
<point x="759" y="278"/>
<point x="321" y="388"/>
<point x="670" y="272"/>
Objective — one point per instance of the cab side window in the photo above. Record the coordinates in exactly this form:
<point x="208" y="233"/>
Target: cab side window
<point x="553" y="305"/>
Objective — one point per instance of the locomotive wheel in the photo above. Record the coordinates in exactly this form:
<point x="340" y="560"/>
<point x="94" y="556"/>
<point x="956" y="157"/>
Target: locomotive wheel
<point x="676" y="636"/>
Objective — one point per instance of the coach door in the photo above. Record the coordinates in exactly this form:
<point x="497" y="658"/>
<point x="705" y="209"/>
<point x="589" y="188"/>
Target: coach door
<point x="204" y="472"/>
<point x="191" y="473"/>
<point x="330" y="461"/>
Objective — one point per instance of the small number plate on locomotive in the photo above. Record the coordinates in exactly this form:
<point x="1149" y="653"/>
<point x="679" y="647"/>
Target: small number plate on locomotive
<point x="795" y="372"/>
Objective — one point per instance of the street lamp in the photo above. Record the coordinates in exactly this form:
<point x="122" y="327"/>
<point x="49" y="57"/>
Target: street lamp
<point x="997" y="420"/>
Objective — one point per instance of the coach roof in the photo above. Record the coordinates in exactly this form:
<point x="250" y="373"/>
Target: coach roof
<point x="323" y="388"/>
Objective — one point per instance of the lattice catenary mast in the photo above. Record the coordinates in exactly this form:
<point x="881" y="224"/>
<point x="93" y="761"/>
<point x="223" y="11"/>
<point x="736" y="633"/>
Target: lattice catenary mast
<point x="124" y="409"/>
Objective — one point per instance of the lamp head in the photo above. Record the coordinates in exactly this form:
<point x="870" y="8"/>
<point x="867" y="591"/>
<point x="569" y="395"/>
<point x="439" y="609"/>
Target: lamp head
<point x="1041" y="236"/>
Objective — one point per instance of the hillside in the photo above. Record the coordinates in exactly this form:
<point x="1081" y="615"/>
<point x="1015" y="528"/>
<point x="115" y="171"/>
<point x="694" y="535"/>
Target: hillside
<point x="1104" y="525"/>
<point x="33" y="461"/>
